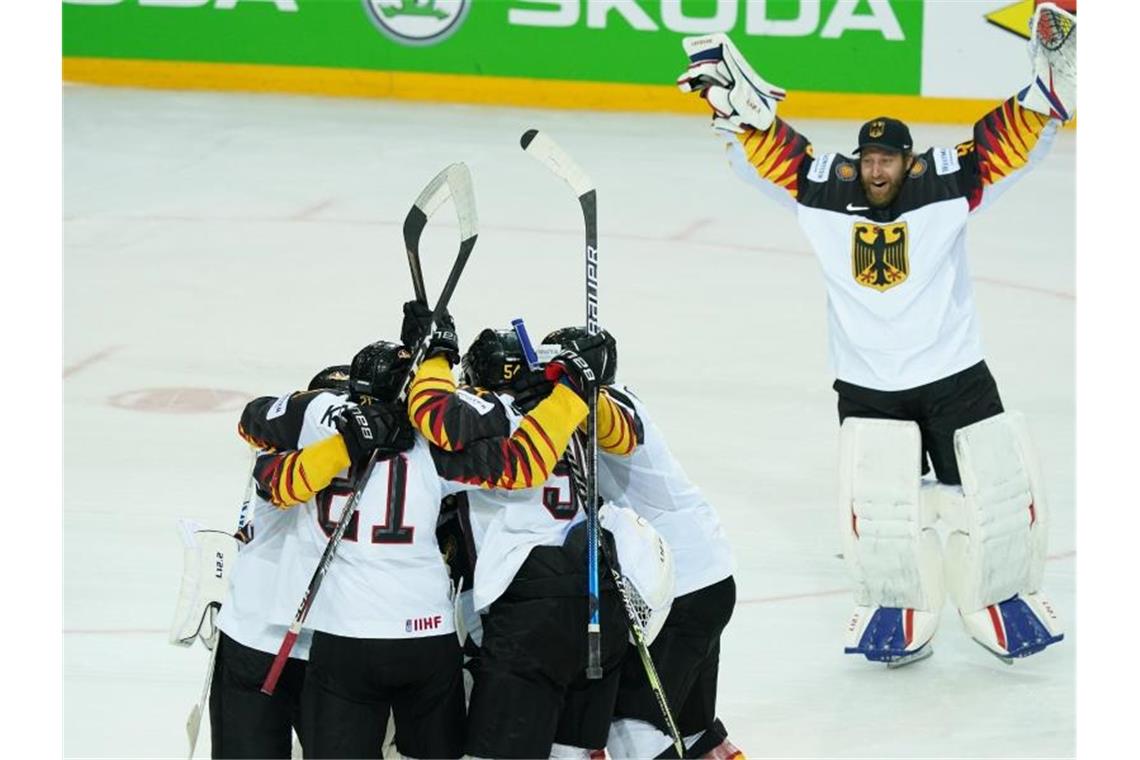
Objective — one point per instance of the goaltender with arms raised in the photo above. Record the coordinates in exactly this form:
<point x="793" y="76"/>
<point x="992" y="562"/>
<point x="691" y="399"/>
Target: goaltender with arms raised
<point x="888" y="228"/>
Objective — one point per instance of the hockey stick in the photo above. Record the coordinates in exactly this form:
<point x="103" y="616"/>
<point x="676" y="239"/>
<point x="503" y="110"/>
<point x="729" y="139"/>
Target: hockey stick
<point x="444" y="185"/>
<point x="632" y="618"/>
<point x="194" y="719"/>
<point x="468" y="232"/>
<point x="549" y="154"/>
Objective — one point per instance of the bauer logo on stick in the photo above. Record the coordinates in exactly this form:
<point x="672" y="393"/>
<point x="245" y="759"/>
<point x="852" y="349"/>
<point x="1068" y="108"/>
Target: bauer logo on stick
<point x="417" y="22"/>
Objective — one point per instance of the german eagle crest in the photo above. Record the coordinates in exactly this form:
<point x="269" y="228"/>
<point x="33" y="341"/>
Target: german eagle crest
<point x="879" y="255"/>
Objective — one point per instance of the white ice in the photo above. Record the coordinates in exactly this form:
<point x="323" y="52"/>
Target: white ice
<point x="235" y="242"/>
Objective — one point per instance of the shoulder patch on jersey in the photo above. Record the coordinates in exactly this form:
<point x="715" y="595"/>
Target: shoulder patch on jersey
<point x="918" y="168"/>
<point x="945" y="160"/>
<point x="473" y="401"/>
<point x="821" y="167"/>
<point x="279" y="407"/>
<point x="845" y="171"/>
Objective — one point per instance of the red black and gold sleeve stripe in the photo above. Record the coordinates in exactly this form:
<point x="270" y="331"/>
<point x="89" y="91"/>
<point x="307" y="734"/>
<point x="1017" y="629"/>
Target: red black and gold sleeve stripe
<point x="1003" y="140"/>
<point x="443" y="417"/>
<point x="524" y="459"/>
<point x="776" y="154"/>
<point x="288" y="478"/>
<point x="617" y="426"/>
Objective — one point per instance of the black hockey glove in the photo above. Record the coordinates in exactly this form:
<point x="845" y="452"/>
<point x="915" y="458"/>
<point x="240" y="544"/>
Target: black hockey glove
<point x="417" y="324"/>
<point x="383" y="427"/>
<point x="529" y="389"/>
<point x="581" y="364"/>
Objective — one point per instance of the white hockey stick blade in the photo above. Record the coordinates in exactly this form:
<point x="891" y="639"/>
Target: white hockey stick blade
<point x="193" y="723"/>
<point x="549" y="153"/>
<point x="436" y="193"/>
<point x="459" y="180"/>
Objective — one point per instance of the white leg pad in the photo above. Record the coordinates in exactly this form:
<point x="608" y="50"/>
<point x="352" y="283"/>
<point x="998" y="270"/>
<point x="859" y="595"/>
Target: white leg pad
<point x="995" y="554"/>
<point x="892" y="552"/>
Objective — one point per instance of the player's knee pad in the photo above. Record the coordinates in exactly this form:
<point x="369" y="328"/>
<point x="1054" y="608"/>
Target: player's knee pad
<point x="891" y="549"/>
<point x="995" y="553"/>
<point x="632" y="738"/>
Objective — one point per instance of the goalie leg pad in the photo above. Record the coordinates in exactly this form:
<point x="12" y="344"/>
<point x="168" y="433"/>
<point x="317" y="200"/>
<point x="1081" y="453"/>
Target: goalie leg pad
<point x="892" y="552"/>
<point x="995" y="554"/>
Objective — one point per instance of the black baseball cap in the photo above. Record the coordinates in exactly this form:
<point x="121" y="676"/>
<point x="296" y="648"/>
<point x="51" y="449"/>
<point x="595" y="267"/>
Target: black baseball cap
<point x="884" y="132"/>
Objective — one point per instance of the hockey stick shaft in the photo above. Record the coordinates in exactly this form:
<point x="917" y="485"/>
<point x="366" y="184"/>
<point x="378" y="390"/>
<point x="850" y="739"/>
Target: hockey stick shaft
<point x="194" y="719"/>
<point x="631" y="616"/>
<point x="547" y="152"/>
<point x="279" y="661"/>
<point x="461" y="190"/>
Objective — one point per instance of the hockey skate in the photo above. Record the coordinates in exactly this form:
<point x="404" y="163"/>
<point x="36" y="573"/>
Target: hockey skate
<point x="891" y="635"/>
<point x="1016" y="628"/>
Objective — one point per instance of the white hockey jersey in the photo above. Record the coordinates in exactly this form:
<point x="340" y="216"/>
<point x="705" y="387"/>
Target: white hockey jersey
<point x="253" y="582"/>
<point x="900" y="303"/>
<point x="651" y="482"/>
<point x="506" y="525"/>
<point x="387" y="580"/>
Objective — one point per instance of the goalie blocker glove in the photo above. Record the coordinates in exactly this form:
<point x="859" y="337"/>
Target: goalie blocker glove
<point x="417" y="326"/>
<point x="381" y="426"/>
<point x="739" y="96"/>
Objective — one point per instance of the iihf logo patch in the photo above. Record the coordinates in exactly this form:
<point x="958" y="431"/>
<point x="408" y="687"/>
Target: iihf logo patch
<point x="413" y="625"/>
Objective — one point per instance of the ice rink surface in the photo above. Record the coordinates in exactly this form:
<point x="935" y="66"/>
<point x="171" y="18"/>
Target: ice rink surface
<point x="219" y="247"/>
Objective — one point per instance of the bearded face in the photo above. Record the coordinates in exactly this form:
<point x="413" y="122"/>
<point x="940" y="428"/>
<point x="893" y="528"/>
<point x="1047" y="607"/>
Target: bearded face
<point x="881" y="172"/>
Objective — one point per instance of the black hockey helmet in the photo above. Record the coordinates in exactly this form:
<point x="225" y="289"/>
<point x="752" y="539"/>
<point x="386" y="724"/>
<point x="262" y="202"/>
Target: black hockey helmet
<point x="493" y="360"/>
<point x="566" y="335"/>
<point x="378" y="371"/>
<point x="334" y="378"/>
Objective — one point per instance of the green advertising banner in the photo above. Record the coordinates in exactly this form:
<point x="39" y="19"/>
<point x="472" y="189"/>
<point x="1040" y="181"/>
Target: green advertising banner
<point x="848" y="46"/>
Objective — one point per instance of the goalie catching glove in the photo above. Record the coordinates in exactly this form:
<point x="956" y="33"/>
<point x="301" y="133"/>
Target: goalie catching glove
<point x="738" y="95"/>
<point x="1053" y="50"/>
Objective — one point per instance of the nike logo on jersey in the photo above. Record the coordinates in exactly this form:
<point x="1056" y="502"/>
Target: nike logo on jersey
<point x="858" y="208"/>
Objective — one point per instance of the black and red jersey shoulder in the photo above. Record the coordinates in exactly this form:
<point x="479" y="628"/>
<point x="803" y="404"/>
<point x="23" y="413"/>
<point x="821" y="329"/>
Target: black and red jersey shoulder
<point x="831" y="183"/>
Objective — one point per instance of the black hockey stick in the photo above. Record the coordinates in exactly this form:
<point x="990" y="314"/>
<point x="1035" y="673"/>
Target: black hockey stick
<point x="468" y="232"/>
<point x="548" y="153"/>
<point x="448" y="183"/>
<point x="635" y="627"/>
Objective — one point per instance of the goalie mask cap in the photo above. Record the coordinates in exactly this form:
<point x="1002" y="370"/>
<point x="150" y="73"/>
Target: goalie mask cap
<point x="884" y="132"/>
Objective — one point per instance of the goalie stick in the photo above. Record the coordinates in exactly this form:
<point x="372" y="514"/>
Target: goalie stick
<point x="635" y="627"/>
<point x="459" y="182"/>
<point x="194" y="719"/>
<point x="548" y="153"/>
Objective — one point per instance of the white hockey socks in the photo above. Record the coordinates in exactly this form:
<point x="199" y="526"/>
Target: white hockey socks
<point x="892" y="552"/>
<point x="995" y="554"/>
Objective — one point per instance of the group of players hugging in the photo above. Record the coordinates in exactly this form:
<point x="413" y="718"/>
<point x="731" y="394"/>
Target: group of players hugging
<point x="456" y="602"/>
